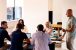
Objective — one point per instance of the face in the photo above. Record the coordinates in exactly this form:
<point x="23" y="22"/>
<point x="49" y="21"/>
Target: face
<point x="20" y="21"/>
<point x="5" y="26"/>
<point x="47" y="24"/>
<point x="69" y="13"/>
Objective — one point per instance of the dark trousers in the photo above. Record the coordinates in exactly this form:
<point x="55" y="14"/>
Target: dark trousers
<point x="52" y="46"/>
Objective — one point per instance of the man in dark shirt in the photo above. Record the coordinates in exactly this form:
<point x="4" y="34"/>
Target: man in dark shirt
<point x="3" y="34"/>
<point x="17" y="38"/>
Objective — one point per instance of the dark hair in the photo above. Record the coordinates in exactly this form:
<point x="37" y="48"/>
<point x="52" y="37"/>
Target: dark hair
<point x="22" y="21"/>
<point x="69" y="10"/>
<point x="20" y="26"/>
<point x="40" y="27"/>
<point x="3" y="22"/>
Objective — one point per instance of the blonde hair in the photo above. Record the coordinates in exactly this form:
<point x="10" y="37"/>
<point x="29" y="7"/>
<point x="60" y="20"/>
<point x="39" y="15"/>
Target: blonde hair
<point x="48" y="24"/>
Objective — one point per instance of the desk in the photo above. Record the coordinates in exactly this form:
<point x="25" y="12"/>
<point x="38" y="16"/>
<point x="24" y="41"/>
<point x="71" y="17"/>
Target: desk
<point x="57" y="43"/>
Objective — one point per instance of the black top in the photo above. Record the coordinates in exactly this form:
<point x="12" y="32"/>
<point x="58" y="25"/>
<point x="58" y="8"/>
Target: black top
<point x="3" y="35"/>
<point x="17" y="40"/>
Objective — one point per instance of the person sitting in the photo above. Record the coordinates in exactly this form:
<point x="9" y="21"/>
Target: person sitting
<point x="3" y="34"/>
<point x="40" y="39"/>
<point x="48" y="28"/>
<point x="17" y="38"/>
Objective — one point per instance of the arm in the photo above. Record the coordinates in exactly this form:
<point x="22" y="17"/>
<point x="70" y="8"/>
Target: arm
<point x="49" y="40"/>
<point x="6" y="35"/>
<point x="69" y="29"/>
<point x="49" y="31"/>
<point x="26" y="38"/>
<point x="71" y="26"/>
<point x="32" y="40"/>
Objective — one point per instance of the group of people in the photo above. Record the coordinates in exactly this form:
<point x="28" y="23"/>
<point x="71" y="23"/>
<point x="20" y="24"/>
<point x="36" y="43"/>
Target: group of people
<point x="40" y="39"/>
<point x="18" y="36"/>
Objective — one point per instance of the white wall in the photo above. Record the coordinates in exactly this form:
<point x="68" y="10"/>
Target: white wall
<point x="59" y="10"/>
<point x="50" y="5"/>
<point x="2" y="10"/>
<point x="35" y="12"/>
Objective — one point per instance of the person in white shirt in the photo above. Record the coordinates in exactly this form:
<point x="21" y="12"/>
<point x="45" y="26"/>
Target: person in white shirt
<point x="70" y="31"/>
<point x="40" y="39"/>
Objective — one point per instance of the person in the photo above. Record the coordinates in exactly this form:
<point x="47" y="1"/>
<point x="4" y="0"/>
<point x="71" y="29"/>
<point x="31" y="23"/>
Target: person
<point x="25" y="28"/>
<point x="17" y="38"/>
<point x="70" y="30"/>
<point x="40" y="39"/>
<point x="3" y="34"/>
<point x="48" y="28"/>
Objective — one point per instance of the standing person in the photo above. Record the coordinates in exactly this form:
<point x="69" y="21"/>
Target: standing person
<point x="17" y="38"/>
<point x="40" y="39"/>
<point x="48" y="28"/>
<point x="3" y="34"/>
<point x="71" y="30"/>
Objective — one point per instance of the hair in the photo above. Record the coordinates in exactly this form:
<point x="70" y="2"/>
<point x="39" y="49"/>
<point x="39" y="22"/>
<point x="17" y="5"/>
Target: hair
<point x="22" y="21"/>
<point x="69" y="10"/>
<point x="47" y="24"/>
<point x="20" y="26"/>
<point x="3" y="22"/>
<point x="40" y="27"/>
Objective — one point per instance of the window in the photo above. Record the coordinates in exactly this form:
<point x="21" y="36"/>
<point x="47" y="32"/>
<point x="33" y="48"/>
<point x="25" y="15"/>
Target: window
<point x="14" y="9"/>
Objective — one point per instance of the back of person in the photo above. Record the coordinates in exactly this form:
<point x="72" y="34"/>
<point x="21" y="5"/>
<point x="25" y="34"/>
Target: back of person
<point x="17" y="40"/>
<point x="40" y="39"/>
<point x="1" y="38"/>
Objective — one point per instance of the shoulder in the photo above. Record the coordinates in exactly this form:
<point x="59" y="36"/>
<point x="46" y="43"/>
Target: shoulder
<point x="23" y="33"/>
<point x="46" y="34"/>
<point x="1" y="30"/>
<point x="74" y="20"/>
<point x="14" y="33"/>
<point x="4" y="31"/>
<point x="34" y="34"/>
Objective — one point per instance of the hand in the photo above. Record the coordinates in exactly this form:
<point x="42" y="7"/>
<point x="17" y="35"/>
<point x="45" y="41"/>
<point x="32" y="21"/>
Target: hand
<point x="63" y="30"/>
<point x="62" y="37"/>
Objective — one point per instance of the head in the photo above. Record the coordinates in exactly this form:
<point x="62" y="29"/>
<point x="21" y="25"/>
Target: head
<point x="21" y="21"/>
<point x="40" y="27"/>
<point x="4" y="24"/>
<point x="20" y="26"/>
<point x="69" y="13"/>
<point x="47" y="24"/>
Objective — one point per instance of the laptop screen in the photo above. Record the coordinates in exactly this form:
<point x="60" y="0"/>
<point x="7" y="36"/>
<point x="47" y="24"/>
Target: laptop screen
<point x="28" y="35"/>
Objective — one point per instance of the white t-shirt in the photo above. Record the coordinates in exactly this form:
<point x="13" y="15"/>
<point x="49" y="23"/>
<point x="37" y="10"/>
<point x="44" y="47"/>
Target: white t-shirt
<point x="40" y="40"/>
